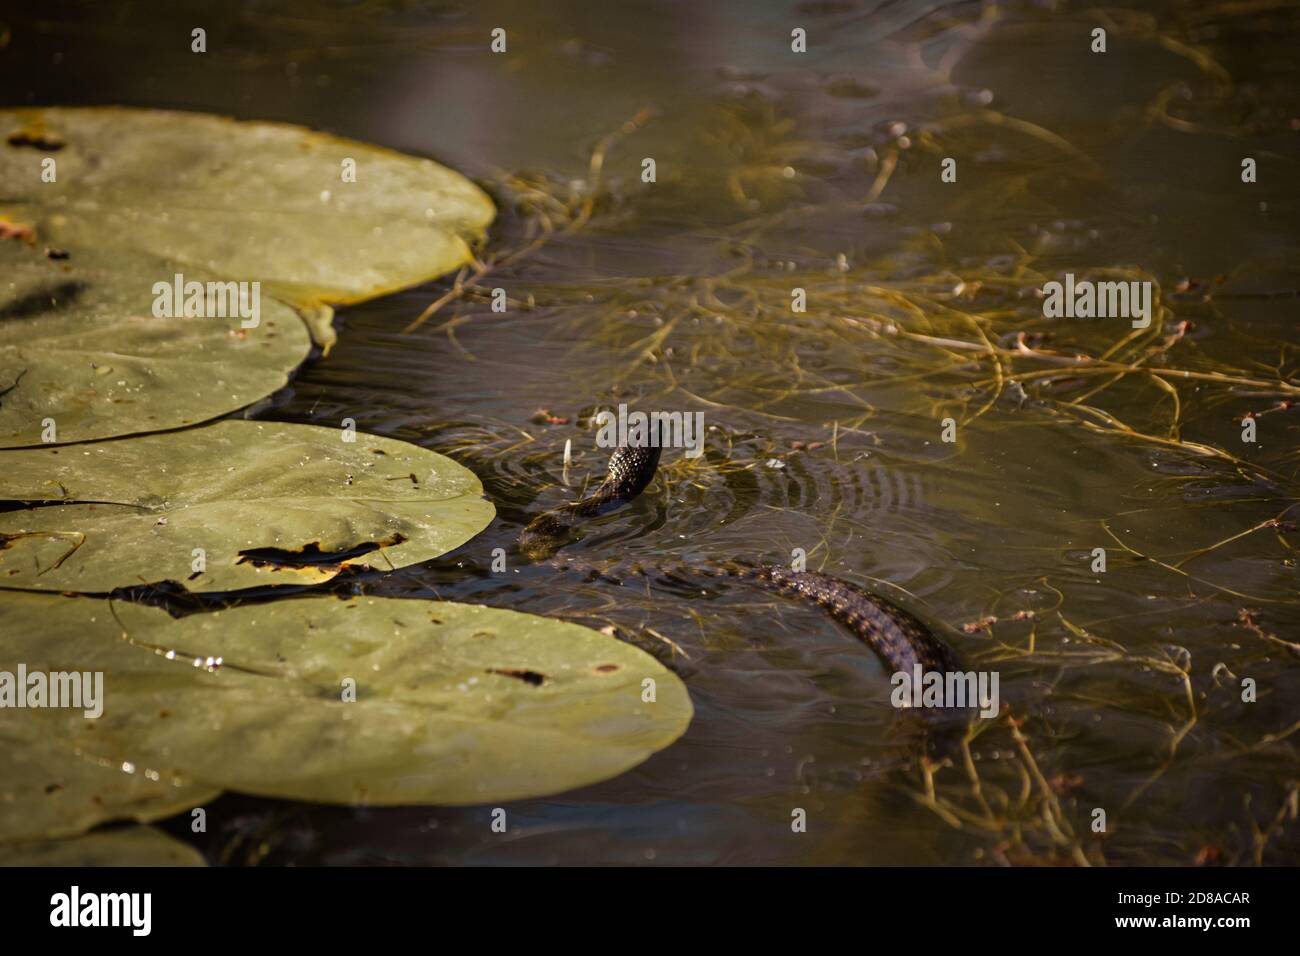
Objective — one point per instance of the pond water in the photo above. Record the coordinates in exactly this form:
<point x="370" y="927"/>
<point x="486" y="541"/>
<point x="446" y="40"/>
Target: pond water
<point x="778" y="171"/>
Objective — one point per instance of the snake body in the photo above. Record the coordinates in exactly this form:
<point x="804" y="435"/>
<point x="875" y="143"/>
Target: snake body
<point x="897" y="637"/>
<point x="630" y="470"/>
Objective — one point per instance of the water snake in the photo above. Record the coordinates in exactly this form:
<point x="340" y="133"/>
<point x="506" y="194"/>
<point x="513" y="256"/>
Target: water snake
<point x="897" y="637"/>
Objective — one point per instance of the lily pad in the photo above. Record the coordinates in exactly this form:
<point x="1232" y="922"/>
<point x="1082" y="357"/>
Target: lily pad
<point x="230" y="505"/>
<point x="49" y="788"/>
<point x="127" y="846"/>
<point x="82" y="356"/>
<point x="141" y="195"/>
<point x="453" y="703"/>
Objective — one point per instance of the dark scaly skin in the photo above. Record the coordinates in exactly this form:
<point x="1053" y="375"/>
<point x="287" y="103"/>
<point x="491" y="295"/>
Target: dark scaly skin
<point x="630" y="471"/>
<point x="898" y="638"/>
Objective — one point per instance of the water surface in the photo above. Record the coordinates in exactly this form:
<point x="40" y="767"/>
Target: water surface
<point x="778" y="171"/>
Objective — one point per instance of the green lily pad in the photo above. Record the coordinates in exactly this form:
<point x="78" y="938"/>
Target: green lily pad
<point x="230" y="505"/>
<point x="128" y="846"/>
<point x="83" y="357"/>
<point x="454" y="703"/>
<point x="49" y="788"/>
<point x="142" y="195"/>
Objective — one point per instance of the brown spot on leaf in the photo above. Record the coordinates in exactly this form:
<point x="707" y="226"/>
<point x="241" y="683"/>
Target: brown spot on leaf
<point x="606" y="668"/>
<point x="36" y="136"/>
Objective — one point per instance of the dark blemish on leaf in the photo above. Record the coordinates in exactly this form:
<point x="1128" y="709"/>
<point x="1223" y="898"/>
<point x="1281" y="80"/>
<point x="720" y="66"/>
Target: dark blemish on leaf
<point x="606" y="668"/>
<point x="411" y="477"/>
<point x="53" y="788"/>
<point x="378" y="451"/>
<point x="53" y="253"/>
<point x="42" y="300"/>
<point x="196" y="574"/>
<point x="528" y="677"/>
<point x="311" y="556"/>
<point x="35" y="138"/>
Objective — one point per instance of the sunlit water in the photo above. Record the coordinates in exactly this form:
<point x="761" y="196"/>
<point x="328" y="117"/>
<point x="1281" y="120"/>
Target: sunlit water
<point x="773" y="173"/>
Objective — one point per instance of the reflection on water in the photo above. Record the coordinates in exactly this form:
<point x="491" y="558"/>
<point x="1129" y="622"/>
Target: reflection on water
<point x="821" y="172"/>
